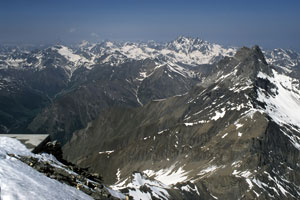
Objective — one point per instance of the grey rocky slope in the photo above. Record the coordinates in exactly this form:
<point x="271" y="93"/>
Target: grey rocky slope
<point x="235" y="135"/>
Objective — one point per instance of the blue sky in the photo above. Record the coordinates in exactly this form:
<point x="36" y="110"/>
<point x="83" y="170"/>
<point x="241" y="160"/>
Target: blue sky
<point x="269" y="23"/>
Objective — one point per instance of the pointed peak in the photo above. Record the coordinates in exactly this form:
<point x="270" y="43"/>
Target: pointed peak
<point x="186" y="42"/>
<point x="246" y="52"/>
<point x="257" y="49"/>
<point x="183" y="39"/>
<point x="259" y="53"/>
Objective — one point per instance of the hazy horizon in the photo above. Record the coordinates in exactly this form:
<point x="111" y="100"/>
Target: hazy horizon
<point x="269" y="24"/>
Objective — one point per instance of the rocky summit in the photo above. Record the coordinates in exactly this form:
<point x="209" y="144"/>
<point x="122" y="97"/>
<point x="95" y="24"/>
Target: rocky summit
<point x="186" y="119"/>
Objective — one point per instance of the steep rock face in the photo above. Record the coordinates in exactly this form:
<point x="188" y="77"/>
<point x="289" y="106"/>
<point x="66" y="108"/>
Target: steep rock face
<point x="229" y="137"/>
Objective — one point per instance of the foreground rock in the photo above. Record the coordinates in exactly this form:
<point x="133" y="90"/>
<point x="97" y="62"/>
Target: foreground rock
<point x="91" y="184"/>
<point x="20" y="181"/>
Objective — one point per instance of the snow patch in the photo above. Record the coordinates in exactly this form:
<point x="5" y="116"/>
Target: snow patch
<point x="238" y="125"/>
<point x="190" y="189"/>
<point x="218" y="114"/>
<point x="224" y="135"/>
<point x="106" y="152"/>
<point x="195" y="123"/>
<point x="208" y="170"/>
<point x="169" y="176"/>
<point x="68" y="54"/>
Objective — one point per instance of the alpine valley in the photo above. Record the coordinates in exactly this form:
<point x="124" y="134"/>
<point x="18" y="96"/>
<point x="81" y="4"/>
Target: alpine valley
<point x="186" y="119"/>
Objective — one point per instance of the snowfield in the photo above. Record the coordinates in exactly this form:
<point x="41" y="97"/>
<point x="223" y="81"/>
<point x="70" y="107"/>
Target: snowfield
<point x="284" y="107"/>
<point x="19" y="181"/>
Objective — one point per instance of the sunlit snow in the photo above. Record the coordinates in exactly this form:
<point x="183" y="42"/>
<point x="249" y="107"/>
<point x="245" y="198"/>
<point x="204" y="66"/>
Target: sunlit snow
<point x="283" y="107"/>
<point x="19" y="181"/>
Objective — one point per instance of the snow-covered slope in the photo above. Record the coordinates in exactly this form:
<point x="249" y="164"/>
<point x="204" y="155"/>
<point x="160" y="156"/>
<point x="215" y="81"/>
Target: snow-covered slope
<point x="19" y="181"/>
<point x="283" y="103"/>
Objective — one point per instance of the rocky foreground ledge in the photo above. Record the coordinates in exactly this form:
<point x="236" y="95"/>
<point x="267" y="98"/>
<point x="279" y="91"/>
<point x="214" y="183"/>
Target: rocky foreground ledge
<point x="42" y="176"/>
<point x="90" y="184"/>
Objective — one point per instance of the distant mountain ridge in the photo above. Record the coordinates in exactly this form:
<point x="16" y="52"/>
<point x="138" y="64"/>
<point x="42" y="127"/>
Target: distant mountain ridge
<point x="59" y="72"/>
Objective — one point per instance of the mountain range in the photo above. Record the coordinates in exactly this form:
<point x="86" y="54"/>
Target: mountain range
<point x="187" y="119"/>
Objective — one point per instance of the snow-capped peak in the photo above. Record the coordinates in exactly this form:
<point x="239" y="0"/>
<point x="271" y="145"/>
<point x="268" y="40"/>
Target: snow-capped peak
<point x="182" y="42"/>
<point x="68" y="54"/>
<point x="283" y="58"/>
